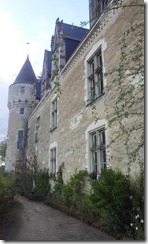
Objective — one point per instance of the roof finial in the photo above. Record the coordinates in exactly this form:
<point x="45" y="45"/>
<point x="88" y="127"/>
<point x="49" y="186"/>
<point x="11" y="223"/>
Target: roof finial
<point x="27" y="50"/>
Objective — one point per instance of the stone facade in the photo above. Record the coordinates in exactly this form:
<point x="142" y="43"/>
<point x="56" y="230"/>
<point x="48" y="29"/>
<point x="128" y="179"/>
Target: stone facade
<point x="75" y="128"/>
<point x="74" y="114"/>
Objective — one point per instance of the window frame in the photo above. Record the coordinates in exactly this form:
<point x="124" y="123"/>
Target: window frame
<point x="37" y="126"/>
<point x="98" y="151"/>
<point x="22" y="89"/>
<point x="53" y="161"/>
<point x="94" y="70"/>
<point x="101" y="6"/>
<point x="20" y="141"/>
<point x="22" y="111"/>
<point x="53" y="114"/>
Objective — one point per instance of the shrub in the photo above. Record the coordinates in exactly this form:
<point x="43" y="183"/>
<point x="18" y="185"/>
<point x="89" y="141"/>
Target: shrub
<point x="72" y="191"/>
<point x="25" y="183"/>
<point x="58" y="181"/>
<point x="7" y="190"/>
<point x="42" y="186"/>
<point x="136" y="228"/>
<point x="115" y="203"/>
<point x="110" y="199"/>
<point x="37" y="191"/>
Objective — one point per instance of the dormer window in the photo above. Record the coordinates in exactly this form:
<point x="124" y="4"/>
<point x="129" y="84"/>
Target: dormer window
<point x="97" y="7"/>
<point x="101" y="6"/>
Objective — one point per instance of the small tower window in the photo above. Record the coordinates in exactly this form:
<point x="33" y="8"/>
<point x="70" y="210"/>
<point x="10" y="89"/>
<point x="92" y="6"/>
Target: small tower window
<point x="21" y="110"/>
<point x="22" y="89"/>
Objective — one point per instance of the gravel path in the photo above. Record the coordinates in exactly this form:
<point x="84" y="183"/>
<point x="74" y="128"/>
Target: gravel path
<point x="35" y="221"/>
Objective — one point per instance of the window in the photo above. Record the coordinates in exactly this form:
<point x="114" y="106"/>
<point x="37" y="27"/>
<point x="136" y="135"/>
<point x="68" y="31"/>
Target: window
<point x="37" y="126"/>
<point x="97" y="151"/>
<point x="21" y="110"/>
<point x="101" y="5"/>
<point x="20" y="142"/>
<point x="54" y="114"/>
<point x="22" y="89"/>
<point x="95" y="76"/>
<point x="53" y="161"/>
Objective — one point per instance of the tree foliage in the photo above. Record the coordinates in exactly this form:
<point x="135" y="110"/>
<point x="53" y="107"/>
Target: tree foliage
<point x="3" y="147"/>
<point x="7" y="190"/>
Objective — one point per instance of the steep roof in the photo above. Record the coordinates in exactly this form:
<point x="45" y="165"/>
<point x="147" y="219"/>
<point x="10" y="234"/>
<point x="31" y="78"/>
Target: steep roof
<point x="74" y="32"/>
<point x="47" y="62"/>
<point x="26" y="74"/>
<point x="71" y="32"/>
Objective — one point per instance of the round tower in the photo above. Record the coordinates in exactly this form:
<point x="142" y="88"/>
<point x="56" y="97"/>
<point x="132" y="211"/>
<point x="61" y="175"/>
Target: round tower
<point x="21" y="98"/>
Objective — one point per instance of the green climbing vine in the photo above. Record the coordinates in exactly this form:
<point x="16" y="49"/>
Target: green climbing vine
<point x="128" y="80"/>
<point x="127" y="113"/>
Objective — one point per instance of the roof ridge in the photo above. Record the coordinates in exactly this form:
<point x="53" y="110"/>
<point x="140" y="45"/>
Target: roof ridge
<point x="75" y="25"/>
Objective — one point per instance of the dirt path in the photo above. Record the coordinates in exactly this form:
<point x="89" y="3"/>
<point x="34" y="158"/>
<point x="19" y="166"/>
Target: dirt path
<point x="35" y="221"/>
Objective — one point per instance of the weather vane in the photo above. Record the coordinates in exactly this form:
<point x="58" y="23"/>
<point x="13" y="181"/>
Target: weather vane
<point x="28" y="50"/>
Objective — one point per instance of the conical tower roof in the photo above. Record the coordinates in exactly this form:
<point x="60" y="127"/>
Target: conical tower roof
<point x="26" y="74"/>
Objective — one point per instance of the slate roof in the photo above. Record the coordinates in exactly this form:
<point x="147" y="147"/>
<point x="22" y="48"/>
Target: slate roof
<point x="74" y="32"/>
<point x="71" y="32"/>
<point x="26" y="74"/>
<point x="47" y="59"/>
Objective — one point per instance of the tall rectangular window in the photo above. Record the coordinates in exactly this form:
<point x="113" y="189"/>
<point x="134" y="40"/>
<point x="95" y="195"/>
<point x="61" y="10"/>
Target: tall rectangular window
<point x="54" y="114"/>
<point x="21" y="110"/>
<point x="20" y="142"/>
<point x="97" y="151"/>
<point x="37" y="126"/>
<point x="95" y="76"/>
<point x="53" y="161"/>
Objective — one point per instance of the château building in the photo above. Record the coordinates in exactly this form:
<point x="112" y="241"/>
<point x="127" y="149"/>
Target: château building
<point x="64" y="116"/>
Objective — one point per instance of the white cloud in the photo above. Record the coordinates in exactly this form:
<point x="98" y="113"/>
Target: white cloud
<point x="41" y="22"/>
<point x="44" y="35"/>
<point x="11" y="47"/>
<point x="36" y="52"/>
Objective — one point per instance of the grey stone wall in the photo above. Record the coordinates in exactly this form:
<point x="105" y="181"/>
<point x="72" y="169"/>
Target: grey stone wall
<point x="17" y="121"/>
<point x="75" y="118"/>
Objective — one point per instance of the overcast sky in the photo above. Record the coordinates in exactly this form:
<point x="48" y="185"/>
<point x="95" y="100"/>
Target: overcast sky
<point x="32" y="21"/>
